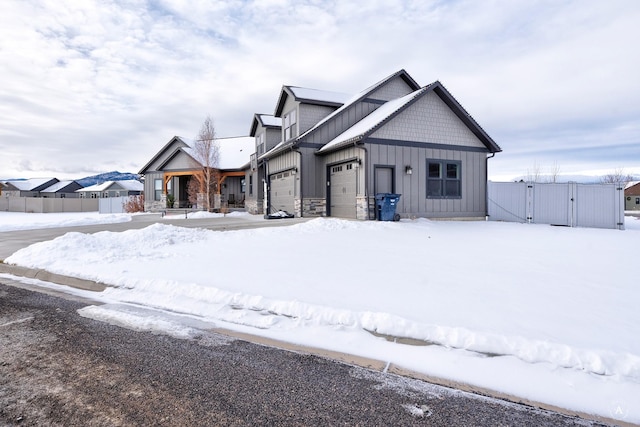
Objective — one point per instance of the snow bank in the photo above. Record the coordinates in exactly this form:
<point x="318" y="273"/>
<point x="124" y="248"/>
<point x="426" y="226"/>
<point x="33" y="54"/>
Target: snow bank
<point x="10" y="221"/>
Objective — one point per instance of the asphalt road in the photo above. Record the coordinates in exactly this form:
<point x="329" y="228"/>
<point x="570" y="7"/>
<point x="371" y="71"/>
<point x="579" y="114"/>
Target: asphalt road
<point x="58" y="368"/>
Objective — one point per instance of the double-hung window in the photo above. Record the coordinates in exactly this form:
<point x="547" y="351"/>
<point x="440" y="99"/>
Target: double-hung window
<point x="289" y="124"/>
<point x="157" y="189"/>
<point x="260" y="144"/>
<point x="444" y="179"/>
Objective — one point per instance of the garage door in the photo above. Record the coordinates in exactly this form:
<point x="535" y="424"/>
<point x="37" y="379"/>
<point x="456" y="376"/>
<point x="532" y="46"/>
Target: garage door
<point x="282" y="191"/>
<point x="342" y="190"/>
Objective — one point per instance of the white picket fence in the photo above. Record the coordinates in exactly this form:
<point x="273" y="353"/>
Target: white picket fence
<point x="568" y="204"/>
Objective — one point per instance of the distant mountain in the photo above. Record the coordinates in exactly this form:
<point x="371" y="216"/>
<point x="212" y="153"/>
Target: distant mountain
<point x="107" y="176"/>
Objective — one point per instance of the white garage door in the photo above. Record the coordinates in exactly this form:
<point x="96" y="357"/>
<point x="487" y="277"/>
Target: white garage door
<point x="282" y="191"/>
<point x="342" y="190"/>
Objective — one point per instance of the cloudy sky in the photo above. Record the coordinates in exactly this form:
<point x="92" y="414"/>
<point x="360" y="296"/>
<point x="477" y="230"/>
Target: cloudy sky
<point x="89" y="87"/>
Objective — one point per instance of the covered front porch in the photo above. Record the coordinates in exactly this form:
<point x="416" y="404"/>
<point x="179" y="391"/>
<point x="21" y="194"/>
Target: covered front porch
<point x="228" y="193"/>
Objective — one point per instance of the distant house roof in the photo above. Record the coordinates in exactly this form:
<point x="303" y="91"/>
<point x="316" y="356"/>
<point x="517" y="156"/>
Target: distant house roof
<point x="69" y="185"/>
<point x="33" y="184"/>
<point x="309" y="96"/>
<point x="264" y="120"/>
<point x="632" y="189"/>
<point x="129" y="185"/>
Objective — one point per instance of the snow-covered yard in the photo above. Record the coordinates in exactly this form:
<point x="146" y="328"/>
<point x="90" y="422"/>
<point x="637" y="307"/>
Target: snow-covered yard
<point x="546" y="313"/>
<point x="10" y="221"/>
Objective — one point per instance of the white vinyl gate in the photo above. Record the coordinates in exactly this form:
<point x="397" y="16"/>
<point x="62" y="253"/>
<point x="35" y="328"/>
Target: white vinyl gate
<point x="108" y="205"/>
<point x="569" y="204"/>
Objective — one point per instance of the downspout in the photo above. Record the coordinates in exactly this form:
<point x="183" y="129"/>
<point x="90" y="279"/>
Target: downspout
<point x="266" y="203"/>
<point x="486" y="185"/>
<point x="366" y="172"/>
<point x="366" y="180"/>
<point x="300" y="175"/>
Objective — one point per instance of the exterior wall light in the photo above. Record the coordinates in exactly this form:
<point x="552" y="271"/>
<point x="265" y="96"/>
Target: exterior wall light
<point x="408" y="170"/>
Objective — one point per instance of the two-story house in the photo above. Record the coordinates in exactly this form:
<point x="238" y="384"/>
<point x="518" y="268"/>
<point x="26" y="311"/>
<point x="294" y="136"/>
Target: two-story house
<point x="337" y="152"/>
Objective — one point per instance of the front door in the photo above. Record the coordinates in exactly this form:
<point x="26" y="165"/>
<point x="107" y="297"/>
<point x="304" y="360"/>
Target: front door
<point x="383" y="180"/>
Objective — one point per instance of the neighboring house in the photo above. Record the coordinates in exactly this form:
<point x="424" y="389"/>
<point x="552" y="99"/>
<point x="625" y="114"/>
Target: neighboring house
<point x="112" y="189"/>
<point x="171" y="168"/>
<point x="335" y="154"/>
<point x="61" y="190"/>
<point x="27" y="187"/>
<point x="632" y="196"/>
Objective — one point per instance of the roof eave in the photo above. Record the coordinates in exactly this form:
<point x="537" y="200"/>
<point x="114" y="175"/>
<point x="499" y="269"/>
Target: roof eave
<point x="439" y="89"/>
<point x="284" y="93"/>
<point x="154" y="158"/>
<point x="351" y="141"/>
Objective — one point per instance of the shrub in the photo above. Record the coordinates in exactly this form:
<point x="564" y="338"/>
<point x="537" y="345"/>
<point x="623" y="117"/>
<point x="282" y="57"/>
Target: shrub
<point x="134" y="204"/>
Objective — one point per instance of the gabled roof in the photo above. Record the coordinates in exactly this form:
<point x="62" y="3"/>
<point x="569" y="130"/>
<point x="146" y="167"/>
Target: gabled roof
<point x="235" y="152"/>
<point x="351" y="101"/>
<point x="389" y="110"/>
<point x="360" y="96"/>
<point x="58" y="186"/>
<point x="374" y="120"/>
<point x="129" y="184"/>
<point x="159" y="153"/>
<point x="266" y="121"/>
<point x="309" y="96"/>
<point x="466" y="118"/>
<point x="33" y="184"/>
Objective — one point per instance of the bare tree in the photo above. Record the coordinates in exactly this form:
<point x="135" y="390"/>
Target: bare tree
<point x="207" y="153"/>
<point x="537" y="173"/>
<point x="533" y="174"/>
<point x="554" y="173"/>
<point x="618" y="176"/>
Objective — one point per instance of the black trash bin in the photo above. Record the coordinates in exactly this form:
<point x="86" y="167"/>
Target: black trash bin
<point x="386" y="206"/>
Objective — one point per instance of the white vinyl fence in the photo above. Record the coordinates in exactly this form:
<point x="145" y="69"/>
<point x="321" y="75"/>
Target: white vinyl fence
<point x="47" y="205"/>
<point x="112" y="204"/>
<point x="569" y="204"/>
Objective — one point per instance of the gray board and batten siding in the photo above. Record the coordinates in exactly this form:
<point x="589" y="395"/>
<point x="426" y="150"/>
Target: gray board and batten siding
<point x="428" y="130"/>
<point x="413" y="187"/>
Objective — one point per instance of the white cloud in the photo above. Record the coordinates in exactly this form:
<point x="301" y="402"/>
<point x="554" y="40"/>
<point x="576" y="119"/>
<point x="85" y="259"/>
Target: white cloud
<point x="107" y="84"/>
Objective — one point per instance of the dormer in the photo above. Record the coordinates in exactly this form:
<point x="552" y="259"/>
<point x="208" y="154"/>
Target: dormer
<point x="301" y="108"/>
<point x="266" y="129"/>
